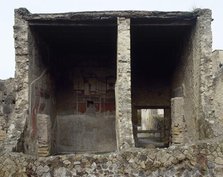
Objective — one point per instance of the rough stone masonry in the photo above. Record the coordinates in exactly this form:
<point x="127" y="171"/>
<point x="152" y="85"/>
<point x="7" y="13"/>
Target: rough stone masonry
<point x="82" y="77"/>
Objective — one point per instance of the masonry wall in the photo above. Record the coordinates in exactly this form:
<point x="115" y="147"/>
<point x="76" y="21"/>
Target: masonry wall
<point x="201" y="159"/>
<point x="207" y="123"/>
<point x="217" y="57"/>
<point x="184" y="85"/>
<point x="7" y="104"/>
<point x="41" y="96"/>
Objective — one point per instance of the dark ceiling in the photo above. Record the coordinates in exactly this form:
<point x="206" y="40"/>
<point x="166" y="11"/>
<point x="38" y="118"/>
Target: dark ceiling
<point x="79" y="38"/>
<point x="153" y="45"/>
<point x="155" y="49"/>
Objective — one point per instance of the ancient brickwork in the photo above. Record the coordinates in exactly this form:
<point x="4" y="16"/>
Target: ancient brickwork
<point x="123" y="87"/>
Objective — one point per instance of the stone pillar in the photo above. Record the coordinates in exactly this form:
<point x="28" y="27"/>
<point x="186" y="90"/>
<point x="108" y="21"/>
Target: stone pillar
<point x="178" y="122"/>
<point x="124" y="129"/>
<point x="43" y="128"/>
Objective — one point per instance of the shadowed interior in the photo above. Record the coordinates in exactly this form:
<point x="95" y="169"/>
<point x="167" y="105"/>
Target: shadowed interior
<point x="79" y="60"/>
<point x="157" y="51"/>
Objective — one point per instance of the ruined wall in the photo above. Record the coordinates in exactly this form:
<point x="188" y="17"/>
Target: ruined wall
<point x="33" y="94"/>
<point x="217" y="58"/>
<point x="41" y="99"/>
<point x="7" y="104"/>
<point x="184" y="85"/>
<point x="202" y="159"/>
<point x="196" y="78"/>
<point x="208" y="125"/>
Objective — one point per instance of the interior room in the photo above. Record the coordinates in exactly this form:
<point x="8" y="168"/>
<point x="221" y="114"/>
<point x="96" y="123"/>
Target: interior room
<point x="161" y="57"/>
<point x="73" y="77"/>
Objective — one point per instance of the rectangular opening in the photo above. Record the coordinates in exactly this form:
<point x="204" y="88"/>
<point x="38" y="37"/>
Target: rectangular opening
<point x="73" y="75"/>
<point x="151" y="127"/>
<point x="162" y="64"/>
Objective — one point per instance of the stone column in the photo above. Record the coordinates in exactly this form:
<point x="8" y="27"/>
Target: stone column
<point x="124" y="129"/>
<point x="178" y="122"/>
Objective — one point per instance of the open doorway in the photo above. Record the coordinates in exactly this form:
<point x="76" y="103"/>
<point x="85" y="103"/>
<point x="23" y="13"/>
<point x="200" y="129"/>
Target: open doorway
<point x="151" y="127"/>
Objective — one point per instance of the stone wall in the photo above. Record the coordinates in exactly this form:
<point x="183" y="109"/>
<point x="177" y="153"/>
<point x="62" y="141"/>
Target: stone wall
<point x="7" y="104"/>
<point x="201" y="159"/>
<point x="41" y="95"/>
<point x="184" y="84"/>
<point x="217" y="58"/>
<point x="207" y="124"/>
